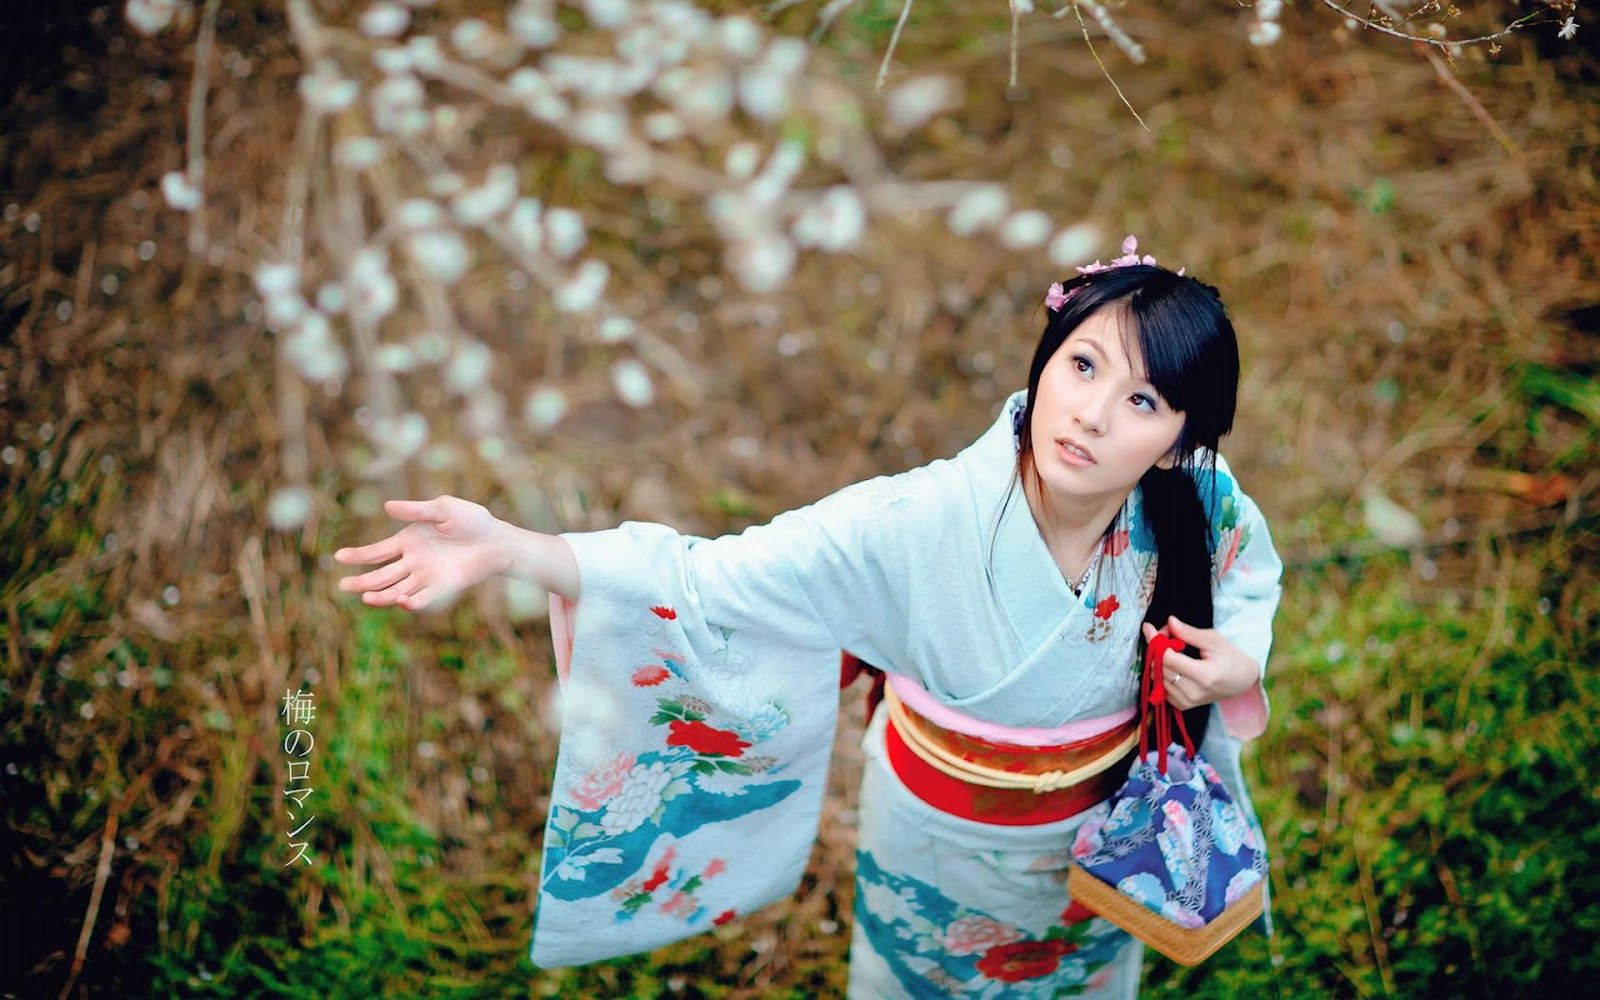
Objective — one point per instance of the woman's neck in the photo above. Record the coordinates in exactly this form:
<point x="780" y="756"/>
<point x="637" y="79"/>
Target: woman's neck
<point x="1071" y="530"/>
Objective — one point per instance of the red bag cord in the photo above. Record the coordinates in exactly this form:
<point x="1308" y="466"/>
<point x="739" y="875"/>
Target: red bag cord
<point x="1153" y="697"/>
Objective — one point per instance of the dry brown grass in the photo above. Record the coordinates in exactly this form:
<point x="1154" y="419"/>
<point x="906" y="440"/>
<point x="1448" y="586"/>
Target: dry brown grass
<point x="1388" y="266"/>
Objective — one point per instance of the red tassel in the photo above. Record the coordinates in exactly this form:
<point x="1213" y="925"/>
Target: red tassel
<point x="1153" y="698"/>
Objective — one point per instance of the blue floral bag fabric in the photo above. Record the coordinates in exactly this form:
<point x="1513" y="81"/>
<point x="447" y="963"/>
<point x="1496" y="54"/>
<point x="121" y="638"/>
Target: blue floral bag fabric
<point x="1175" y="842"/>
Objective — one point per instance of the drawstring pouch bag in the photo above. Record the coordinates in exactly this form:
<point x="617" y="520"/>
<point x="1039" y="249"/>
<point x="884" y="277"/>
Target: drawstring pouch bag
<point x="1169" y="858"/>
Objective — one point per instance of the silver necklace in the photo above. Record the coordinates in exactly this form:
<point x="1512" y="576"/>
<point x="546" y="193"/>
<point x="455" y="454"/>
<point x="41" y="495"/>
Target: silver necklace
<point x="1083" y="581"/>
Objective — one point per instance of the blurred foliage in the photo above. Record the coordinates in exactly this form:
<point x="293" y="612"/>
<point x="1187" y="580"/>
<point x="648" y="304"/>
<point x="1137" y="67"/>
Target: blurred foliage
<point x="1416" y="310"/>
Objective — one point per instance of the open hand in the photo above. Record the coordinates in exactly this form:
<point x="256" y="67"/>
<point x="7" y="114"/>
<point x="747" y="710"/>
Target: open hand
<point x="1219" y="670"/>
<point x="450" y="545"/>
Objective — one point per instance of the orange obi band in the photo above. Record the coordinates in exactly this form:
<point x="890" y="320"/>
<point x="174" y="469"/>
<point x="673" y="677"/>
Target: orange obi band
<point x="1002" y="783"/>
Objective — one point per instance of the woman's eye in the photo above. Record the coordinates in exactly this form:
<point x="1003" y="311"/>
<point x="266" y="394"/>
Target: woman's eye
<point x="1147" y="399"/>
<point x="1078" y="359"/>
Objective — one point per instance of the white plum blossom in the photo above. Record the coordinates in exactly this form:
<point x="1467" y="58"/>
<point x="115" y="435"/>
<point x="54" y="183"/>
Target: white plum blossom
<point x="404" y="435"/>
<point x="762" y="263"/>
<point x="446" y="183"/>
<point x="615" y="329"/>
<point x="373" y="292"/>
<point x="739" y="36"/>
<point x="324" y="90"/>
<point x="288" y="507"/>
<point x="150" y="17"/>
<point x="533" y="23"/>
<point x="663" y="126"/>
<point x="397" y="105"/>
<point x="180" y="191"/>
<point x="426" y="54"/>
<point x="473" y="38"/>
<point x="357" y="152"/>
<point x="606" y="13"/>
<point x="497" y="193"/>
<point x="565" y="232"/>
<point x="836" y="222"/>
<point x="915" y="101"/>
<point x="468" y="367"/>
<point x="395" y="58"/>
<point x="763" y="94"/>
<point x="640" y="796"/>
<point x="279" y="278"/>
<point x="979" y="208"/>
<point x="1569" y="29"/>
<point x="742" y="160"/>
<point x="311" y="349"/>
<point x="1264" y="33"/>
<point x="583" y="291"/>
<point x="385" y="20"/>
<point x="524" y="224"/>
<point x="705" y="95"/>
<point x="1073" y="244"/>
<point x="787" y="56"/>
<point x="330" y="298"/>
<point x="442" y="253"/>
<point x="418" y="213"/>
<point x="603" y="128"/>
<point x="545" y="407"/>
<point x="1025" y="230"/>
<point x="782" y="166"/>
<point x="396" y="358"/>
<point x="528" y="82"/>
<point x="633" y="383"/>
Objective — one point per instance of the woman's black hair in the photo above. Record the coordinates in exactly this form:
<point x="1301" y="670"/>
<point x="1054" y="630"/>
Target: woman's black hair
<point x="1191" y="357"/>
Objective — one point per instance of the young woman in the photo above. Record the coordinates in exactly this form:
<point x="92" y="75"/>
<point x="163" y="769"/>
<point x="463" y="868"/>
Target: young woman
<point x="698" y="675"/>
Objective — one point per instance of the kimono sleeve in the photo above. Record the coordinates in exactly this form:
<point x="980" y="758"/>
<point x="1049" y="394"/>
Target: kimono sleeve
<point x="1246" y="588"/>
<point x="822" y="576"/>
<point x="699" y="695"/>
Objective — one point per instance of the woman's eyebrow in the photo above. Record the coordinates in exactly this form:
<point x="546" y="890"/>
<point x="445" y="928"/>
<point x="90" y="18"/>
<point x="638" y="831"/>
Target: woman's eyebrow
<point x="1101" y="351"/>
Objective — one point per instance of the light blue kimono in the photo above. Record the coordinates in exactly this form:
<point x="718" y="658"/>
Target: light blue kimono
<point x="700" y="698"/>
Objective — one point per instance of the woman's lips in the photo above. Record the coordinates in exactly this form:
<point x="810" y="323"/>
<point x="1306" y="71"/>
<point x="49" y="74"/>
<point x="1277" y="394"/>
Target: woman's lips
<point x="1071" y="456"/>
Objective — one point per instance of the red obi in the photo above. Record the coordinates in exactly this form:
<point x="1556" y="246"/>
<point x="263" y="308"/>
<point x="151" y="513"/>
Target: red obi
<point x="925" y="757"/>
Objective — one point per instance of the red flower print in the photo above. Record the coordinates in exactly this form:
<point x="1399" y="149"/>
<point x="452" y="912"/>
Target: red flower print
<point x="663" y="612"/>
<point x="656" y="878"/>
<point x="679" y="904"/>
<point x="701" y="738"/>
<point x="1107" y="607"/>
<point x="650" y="676"/>
<point x="1021" y="960"/>
<point x="1117" y="544"/>
<point x="714" y="867"/>
<point x="723" y="917"/>
<point x="1076" y="913"/>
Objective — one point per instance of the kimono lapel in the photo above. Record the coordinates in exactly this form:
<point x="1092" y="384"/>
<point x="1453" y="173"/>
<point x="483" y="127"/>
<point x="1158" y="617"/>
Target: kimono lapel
<point x="1047" y="621"/>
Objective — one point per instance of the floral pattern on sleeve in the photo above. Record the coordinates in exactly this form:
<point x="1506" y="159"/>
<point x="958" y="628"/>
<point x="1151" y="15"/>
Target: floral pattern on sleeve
<point x="701" y="770"/>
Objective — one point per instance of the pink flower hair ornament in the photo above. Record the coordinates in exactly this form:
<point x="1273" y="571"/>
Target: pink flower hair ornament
<point x="1058" y="296"/>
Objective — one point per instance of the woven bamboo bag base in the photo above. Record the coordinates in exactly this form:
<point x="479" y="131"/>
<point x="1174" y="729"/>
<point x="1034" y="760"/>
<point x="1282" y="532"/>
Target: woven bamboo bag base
<point x="1184" y="945"/>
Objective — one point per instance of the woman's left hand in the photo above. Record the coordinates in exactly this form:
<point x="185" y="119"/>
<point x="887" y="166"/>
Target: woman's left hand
<point x="1209" y="669"/>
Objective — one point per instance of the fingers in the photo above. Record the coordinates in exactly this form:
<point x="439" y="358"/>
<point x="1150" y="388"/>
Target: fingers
<point x="382" y="551"/>
<point x="393" y="594"/>
<point x="420" y="600"/>
<point x="375" y="580"/>
<point x="414" y="510"/>
<point x="1188" y="633"/>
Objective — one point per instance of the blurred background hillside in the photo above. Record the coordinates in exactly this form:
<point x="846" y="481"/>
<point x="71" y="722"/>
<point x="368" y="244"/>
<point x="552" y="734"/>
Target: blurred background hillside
<point x="1407" y="252"/>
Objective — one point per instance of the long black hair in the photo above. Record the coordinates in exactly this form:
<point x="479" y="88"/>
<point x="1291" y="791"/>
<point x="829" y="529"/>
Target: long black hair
<point x="1192" y="359"/>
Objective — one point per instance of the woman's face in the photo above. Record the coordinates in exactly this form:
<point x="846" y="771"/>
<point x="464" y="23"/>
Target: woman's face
<point x="1089" y="395"/>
